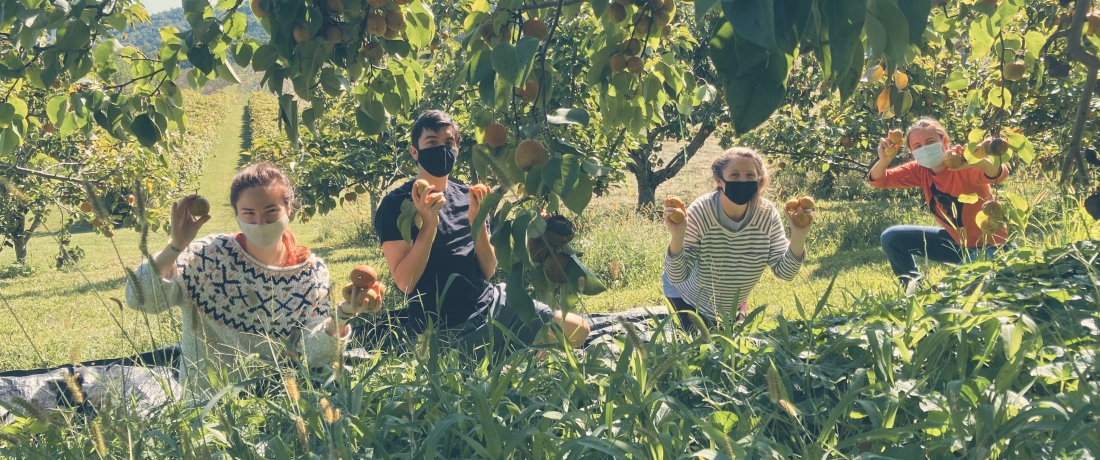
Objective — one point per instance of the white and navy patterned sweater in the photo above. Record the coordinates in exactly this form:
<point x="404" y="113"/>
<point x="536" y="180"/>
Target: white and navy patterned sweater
<point x="232" y="305"/>
<point x="719" y="265"/>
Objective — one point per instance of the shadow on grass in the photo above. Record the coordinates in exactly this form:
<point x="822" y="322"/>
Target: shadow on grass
<point x="842" y="261"/>
<point x="84" y="288"/>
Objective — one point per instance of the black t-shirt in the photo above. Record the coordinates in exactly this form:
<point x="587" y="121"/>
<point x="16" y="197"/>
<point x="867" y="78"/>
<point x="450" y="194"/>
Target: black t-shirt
<point x="452" y="254"/>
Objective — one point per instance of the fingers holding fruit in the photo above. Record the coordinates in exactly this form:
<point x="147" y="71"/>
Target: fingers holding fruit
<point x="477" y="193"/>
<point x="675" y="213"/>
<point x="427" y="201"/>
<point x="800" y="212"/>
<point x="188" y="216"/>
<point x="363" y="294"/>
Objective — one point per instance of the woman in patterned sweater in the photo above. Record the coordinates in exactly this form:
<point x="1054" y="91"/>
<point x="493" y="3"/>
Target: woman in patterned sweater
<point x="241" y="294"/>
<point x="717" y="255"/>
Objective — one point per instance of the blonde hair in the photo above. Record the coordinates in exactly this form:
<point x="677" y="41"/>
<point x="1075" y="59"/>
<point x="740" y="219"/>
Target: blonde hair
<point x="926" y="123"/>
<point x="718" y="168"/>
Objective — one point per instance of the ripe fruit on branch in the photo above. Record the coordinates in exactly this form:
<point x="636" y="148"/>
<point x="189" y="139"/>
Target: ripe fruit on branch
<point x="534" y="27"/>
<point x="48" y="128"/>
<point x="895" y="136"/>
<point x="993" y="210"/>
<point x="901" y="80"/>
<point x="635" y="65"/>
<point x="559" y="231"/>
<point x="846" y="142"/>
<point x="199" y="207"/>
<point x="1093" y="19"/>
<point x="618" y="13"/>
<point x="1015" y="70"/>
<point x="301" y="34"/>
<point x="257" y="10"/>
<point x="530" y="153"/>
<point x="108" y="233"/>
<point x="372" y="51"/>
<point x="376" y="25"/>
<point x="334" y="35"/>
<point x="617" y="63"/>
<point x="335" y="7"/>
<point x="632" y="47"/>
<point x="421" y="186"/>
<point x="554" y="267"/>
<point x="395" y="19"/>
<point x="363" y="276"/>
<point x="488" y="32"/>
<point x="537" y="250"/>
<point x="85" y="207"/>
<point x="496" y="135"/>
<point x="377" y="3"/>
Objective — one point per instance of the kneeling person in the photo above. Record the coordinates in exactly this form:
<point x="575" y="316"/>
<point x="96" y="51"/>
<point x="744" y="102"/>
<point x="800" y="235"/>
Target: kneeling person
<point x="443" y="272"/>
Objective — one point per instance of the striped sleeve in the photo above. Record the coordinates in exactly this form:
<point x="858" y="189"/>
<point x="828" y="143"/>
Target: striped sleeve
<point x="780" y="258"/>
<point x="678" y="267"/>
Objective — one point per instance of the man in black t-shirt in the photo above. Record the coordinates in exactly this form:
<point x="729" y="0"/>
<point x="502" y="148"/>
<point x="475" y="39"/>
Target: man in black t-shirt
<point x="443" y="273"/>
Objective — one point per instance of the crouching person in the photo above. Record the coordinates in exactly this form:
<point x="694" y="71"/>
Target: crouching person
<point x="245" y="293"/>
<point x="443" y="273"/>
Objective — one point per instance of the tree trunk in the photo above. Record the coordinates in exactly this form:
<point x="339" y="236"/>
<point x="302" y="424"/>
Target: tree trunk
<point x="649" y="180"/>
<point x="647" y="192"/>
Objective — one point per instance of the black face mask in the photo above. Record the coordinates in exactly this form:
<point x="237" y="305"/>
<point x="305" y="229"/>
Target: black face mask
<point x="741" y="192"/>
<point x="438" y="161"/>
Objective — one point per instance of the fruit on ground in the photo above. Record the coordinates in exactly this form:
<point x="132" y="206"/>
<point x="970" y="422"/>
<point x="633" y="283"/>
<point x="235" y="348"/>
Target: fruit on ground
<point x="802" y="219"/>
<point x="1092" y="205"/>
<point x="131" y="199"/>
<point x="421" y="186"/>
<point x="559" y="231"/>
<point x="376" y="25"/>
<point x="395" y="19"/>
<point x="496" y="135"/>
<point x="792" y="205"/>
<point x="635" y="65"/>
<point x="554" y="267"/>
<point x="373" y="51"/>
<point x="896" y="136"/>
<point x="537" y="249"/>
<point x="618" y="13"/>
<point x="301" y="34"/>
<point x="617" y="63"/>
<point x="85" y="207"/>
<point x="364" y="276"/>
<point x="199" y="207"/>
<point x="1015" y="70"/>
<point x="534" y="27"/>
<point x="998" y="146"/>
<point x="954" y="161"/>
<point x="530" y="153"/>
<point x="806" y="203"/>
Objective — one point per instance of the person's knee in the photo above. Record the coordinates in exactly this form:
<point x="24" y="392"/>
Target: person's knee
<point x="575" y="327"/>
<point x="889" y="236"/>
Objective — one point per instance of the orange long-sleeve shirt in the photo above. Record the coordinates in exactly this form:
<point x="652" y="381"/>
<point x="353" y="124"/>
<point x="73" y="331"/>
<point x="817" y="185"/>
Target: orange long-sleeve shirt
<point x="941" y="194"/>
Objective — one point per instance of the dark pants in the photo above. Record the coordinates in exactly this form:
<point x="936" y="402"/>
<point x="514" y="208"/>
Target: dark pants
<point x="902" y="243"/>
<point x="684" y="310"/>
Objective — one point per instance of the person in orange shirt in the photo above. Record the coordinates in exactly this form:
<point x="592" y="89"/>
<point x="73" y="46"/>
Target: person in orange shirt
<point x="959" y="238"/>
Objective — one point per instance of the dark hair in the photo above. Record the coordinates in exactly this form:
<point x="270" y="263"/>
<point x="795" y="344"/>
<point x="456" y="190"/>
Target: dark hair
<point x="718" y="168"/>
<point x="260" y="175"/>
<point x="433" y="120"/>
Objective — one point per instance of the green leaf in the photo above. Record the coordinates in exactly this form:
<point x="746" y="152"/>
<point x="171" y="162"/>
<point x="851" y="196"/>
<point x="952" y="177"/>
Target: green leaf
<point x="56" y="108"/>
<point x="526" y="48"/>
<point x="1018" y="202"/>
<point x="518" y="299"/>
<point x="576" y="271"/>
<point x="956" y="81"/>
<point x="488" y="203"/>
<point x="897" y="29"/>
<point x="981" y="38"/>
<point x="506" y="63"/>
<point x="264" y="57"/>
<point x="519" y="238"/>
<point x="75" y="36"/>
<point x="1034" y="43"/>
<point x="753" y="20"/>
<point x="702" y="7"/>
<point x="916" y="14"/>
<point x="201" y="58"/>
<point x="849" y="80"/>
<point x="551" y="174"/>
<point x="145" y="130"/>
<point x="839" y="32"/>
<point x="570" y="172"/>
<point x="568" y="117"/>
<point x="752" y="94"/>
<point x="236" y="25"/>
<point x="876" y="36"/>
<point x="502" y="243"/>
<point x="968" y="198"/>
<point x="581" y="195"/>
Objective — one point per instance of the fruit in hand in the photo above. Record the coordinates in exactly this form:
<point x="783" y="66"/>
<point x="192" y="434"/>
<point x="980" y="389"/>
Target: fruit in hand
<point x="479" y="190"/>
<point x="496" y="135"/>
<point x="998" y="146"/>
<point x="530" y="153"/>
<point x="678" y="215"/>
<point x="802" y="219"/>
<point x="364" y="276"/>
<point x="806" y="203"/>
<point x="891" y="151"/>
<point x="421" y="186"/>
<point x="199" y="207"/>
<point x="896" y="136"/>
<point x="983" y="149"/>
<point x="793" y="205"/>
<point x="954" y="161"/>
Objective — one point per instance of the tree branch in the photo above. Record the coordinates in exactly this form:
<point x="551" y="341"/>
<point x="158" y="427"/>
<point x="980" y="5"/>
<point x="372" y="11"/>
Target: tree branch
<point x="673" y="167"/>
<point x="1074" y="161"/>
<point x="1074" y="47"/>
<point x="47" y="175"/>
<point x="560" y="3"/>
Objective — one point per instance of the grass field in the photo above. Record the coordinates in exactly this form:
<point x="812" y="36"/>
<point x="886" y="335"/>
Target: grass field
<point x="54" y="317"/>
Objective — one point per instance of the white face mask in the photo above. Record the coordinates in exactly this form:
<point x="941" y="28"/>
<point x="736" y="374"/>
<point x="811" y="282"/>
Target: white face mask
<point x="264" y="235"/>
<point x="930" y="155"/>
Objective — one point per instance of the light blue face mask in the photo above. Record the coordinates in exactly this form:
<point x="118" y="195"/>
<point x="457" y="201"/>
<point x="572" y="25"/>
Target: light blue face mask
<point x="930" y="155"/>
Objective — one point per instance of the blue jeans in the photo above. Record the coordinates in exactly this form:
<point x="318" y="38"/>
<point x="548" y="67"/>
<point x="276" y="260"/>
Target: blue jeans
<point x="902" y="242"/>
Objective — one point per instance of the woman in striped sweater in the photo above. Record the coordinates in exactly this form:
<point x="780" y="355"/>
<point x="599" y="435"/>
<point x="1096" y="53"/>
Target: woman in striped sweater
<point x="718" y="254"/>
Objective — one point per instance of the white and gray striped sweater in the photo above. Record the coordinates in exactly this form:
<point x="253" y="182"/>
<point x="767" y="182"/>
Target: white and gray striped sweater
<point x="722" y="260"/>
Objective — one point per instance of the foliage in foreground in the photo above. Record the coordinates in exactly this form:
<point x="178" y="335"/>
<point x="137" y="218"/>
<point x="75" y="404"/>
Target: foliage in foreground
<point x="1000" y="363"/>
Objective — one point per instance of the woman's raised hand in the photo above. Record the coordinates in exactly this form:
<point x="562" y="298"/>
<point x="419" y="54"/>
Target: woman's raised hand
<point x="185" y="227"/>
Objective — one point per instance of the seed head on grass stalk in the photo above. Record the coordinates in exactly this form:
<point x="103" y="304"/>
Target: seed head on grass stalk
<point x="98" y="438"/>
